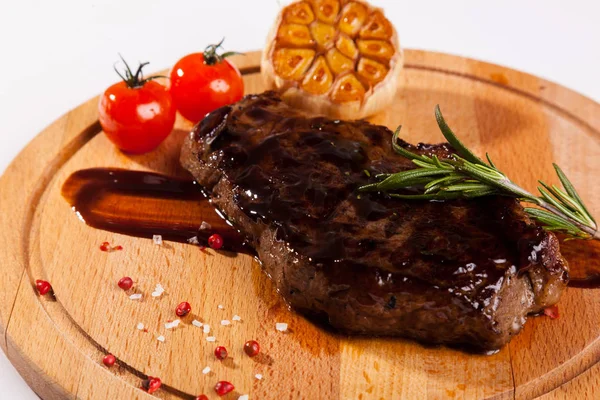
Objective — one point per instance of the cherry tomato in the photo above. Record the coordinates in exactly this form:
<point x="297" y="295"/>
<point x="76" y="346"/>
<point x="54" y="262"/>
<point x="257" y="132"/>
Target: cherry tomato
<point x="136" y="114"/>
<point x="203" y="82"/>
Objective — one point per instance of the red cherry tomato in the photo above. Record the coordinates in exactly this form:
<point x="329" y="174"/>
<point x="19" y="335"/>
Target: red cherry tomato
<point x="136" y="114"/>
<point x="203" y="82"/>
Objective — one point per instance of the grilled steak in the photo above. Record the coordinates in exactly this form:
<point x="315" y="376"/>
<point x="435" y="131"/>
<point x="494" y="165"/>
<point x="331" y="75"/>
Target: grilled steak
<point x="462" y="272"/>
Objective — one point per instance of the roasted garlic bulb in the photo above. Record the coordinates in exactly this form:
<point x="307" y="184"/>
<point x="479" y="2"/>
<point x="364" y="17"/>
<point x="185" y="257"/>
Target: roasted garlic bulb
<point x="337" y="58"/>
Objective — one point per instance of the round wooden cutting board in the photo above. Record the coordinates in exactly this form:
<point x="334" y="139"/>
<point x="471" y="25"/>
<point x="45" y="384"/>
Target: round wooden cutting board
<point x="525" y="122"/>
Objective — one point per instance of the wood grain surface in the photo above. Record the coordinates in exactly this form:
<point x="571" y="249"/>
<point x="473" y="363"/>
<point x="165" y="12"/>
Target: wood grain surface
<point x="57" y="345"/>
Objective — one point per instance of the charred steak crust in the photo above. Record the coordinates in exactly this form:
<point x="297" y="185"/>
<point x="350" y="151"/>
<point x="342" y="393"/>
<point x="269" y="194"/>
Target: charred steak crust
<point x="457" y="272"/>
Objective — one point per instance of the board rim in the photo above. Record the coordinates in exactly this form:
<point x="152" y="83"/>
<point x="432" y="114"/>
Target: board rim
<point x="419" y="60"/>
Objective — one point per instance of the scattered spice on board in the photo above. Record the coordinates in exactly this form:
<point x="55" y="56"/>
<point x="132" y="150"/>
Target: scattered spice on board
<point x="43" y="287"/>
<point x="109" y="360"/>
<point x="125" y="283"/>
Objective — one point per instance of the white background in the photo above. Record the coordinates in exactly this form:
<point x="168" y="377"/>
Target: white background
<point x="56" y="54"/>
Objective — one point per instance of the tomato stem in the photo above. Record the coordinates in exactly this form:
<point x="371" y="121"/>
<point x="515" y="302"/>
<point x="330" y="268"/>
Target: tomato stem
<point x="212" y="57"/>
<point x="135" y="81"/>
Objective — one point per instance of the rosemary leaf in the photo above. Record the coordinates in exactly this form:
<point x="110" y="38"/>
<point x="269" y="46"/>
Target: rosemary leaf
<point x="560" y="206"/>
<point x="440" y="164"/>
<point x="561" y="196"/>
<point x="371" y="187"/>
<point x="490" y="161"/>
<point x="572" y="192"/>
<point x="444" y="181"/>
<point x="409" y="178"/>
<point x="423" y="164"/>
<point x="460" y="148"/>
<point x="401" y="150"/>
<point x="471" y="194"/>
<point x="555" y="222"/>
<point x="467" y="187"/>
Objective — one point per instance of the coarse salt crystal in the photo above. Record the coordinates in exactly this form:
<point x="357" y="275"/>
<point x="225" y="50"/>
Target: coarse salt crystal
<point x="140" y="326"/>
<point x="211" y="339"/>
<point x="205" y="226"/>
<point x="157" y="239"/>
<point x="225" y="322"/>
<point x="206" y="328"/>
<point x="236" y="318"/>
<point x="243" y="397"/>
<point x="281" y="326"/>
<point x="193" y="240"/>
<point x="172" y="324"/>
<point x="258" y="376"/>
<point x="136" y="296"/>
<point x="161" y="338"/>
<point x="158" y="290"/>
<point x="197" y="323"/>
<point x="220" y="306"/>
<point x="206" y="370"/>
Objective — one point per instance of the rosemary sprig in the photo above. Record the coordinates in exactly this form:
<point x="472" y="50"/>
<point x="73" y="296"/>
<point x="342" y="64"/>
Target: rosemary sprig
<point x="465" y="175"/>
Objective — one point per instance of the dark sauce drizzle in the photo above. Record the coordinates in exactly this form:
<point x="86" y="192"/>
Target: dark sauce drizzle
<point x="143" y="204"/>
<point x="584" y="262"/>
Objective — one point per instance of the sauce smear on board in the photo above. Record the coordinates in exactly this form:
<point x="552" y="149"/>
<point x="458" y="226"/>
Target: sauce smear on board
<point x="584" y="262"/>
<point x="143" y="204"/>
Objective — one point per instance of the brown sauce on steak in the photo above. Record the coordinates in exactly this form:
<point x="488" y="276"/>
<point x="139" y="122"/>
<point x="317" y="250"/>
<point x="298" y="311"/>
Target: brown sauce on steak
<point x="460" y="272"/>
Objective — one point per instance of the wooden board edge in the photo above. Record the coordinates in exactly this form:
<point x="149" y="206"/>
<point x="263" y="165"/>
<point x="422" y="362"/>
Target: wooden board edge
<point x="546" y="91"/>
<point x="582" y="387"/>
<point x="25" y="181"/>
<point x="561" y="376"/>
